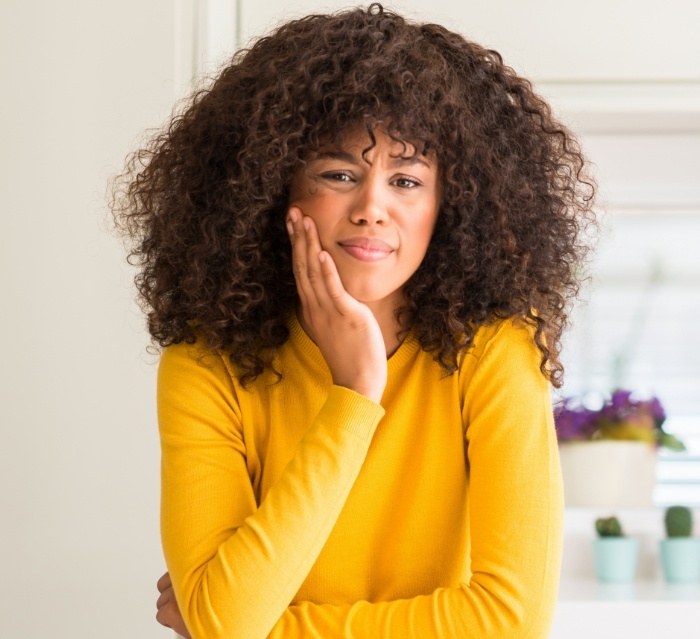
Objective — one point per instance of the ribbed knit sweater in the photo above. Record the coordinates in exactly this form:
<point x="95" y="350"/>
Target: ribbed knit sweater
<point x="299" y="509"/>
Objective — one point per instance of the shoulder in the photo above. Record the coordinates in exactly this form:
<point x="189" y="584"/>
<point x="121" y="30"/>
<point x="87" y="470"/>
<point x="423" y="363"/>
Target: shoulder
<point x="196" y="390"/>
<point x="512" y="337"/>
<point x="504" y="356"/>
<point x="185" y="364"/>
<point x="501" y="382"/>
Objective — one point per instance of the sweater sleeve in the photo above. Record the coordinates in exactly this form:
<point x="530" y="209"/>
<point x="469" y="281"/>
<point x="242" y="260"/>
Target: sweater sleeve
<point x="515" y="512"/>
<point x="235" y="569"/>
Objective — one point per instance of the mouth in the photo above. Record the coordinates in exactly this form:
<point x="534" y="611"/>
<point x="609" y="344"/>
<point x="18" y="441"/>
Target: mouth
<point x="366" y="249"/>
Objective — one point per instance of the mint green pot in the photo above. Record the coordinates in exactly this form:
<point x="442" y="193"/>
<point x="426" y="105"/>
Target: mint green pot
<point x="680" y="559"/>
<point x="616" y="559"/>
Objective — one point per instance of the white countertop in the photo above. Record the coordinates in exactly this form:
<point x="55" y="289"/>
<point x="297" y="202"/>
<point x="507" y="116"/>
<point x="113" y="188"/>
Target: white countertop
<point x="648" y="608"/>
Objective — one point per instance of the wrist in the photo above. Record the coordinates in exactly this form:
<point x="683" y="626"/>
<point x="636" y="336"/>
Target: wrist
<point x="371" y="390"/>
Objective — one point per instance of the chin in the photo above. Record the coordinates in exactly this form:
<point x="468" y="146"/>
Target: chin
<point x="365" y="296"/>
<point x="370" y="288"/>
<point x="369" y="294"/>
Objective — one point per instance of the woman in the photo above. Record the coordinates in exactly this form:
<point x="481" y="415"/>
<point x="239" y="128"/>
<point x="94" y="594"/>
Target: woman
<point x="357" y="249"/>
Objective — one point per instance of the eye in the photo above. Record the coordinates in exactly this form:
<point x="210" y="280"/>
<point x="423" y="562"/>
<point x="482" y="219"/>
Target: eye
<point x="337" y="176"/>
<point x="406" y="182"/>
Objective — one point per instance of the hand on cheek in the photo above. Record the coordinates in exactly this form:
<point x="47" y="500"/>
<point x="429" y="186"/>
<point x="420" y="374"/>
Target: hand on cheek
<point x="344" y="329"/>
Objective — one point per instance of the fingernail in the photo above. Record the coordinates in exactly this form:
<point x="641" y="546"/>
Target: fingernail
<point x="290" y="228"/>
<point x="293" y="215"/>
<point x="307" y="223"/>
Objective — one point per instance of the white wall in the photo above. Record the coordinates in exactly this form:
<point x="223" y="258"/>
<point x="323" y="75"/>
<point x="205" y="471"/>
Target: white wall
<point x="544" y="39"/>
<point x="79" y="459"/>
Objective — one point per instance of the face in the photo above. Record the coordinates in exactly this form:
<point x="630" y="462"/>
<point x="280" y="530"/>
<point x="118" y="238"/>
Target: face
<point x="374" y="214"/>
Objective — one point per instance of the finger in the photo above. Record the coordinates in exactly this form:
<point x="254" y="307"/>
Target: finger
<point x="299" y="259"/>
<point x="165" y="598"/>
<point x="313" y="252"/>
<point x="342" y="301"/>
<point x="170" y="617"/>
<point x="299" y="264"/>
<point x="164" y="582"/>
<point x="164" y="618"/>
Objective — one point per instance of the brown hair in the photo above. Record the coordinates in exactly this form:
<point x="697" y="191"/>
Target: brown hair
<point x="204" y="203"/>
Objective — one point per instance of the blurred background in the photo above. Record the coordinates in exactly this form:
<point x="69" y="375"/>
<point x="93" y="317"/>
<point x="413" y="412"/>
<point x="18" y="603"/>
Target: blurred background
<point x="82" y="83"/>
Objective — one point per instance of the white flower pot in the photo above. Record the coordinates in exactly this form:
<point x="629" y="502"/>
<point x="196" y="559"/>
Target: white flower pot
<point x="608" y="473"/>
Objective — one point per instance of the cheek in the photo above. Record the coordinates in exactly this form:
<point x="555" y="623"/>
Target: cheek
<point x="309" y="200"/>
<point x="322" y="209"/>
<point x="424" y="232"/>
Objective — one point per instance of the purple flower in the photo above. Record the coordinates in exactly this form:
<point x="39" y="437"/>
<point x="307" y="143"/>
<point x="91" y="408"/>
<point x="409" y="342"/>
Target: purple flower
<point x="621" y="400"/>
<point x="620" y="417"/>
<point x="657" y="411"/>
<point x="573" y="422"/>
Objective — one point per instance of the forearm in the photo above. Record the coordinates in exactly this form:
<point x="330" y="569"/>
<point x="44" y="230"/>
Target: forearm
<point x="510" y="595"/>
<point x="462" y="612"/>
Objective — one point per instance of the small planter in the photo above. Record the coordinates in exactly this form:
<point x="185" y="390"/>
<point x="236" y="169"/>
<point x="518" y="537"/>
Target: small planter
<point x="616" y="559"/>
<point x="608" y="474"/>
<point x="680" y="559"/>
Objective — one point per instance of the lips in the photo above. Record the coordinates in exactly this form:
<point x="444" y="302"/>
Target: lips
<point x="366" y="249"/>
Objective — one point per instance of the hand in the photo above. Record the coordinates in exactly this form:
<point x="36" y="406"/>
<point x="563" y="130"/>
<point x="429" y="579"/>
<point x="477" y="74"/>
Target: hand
<point x="344" y="329"/>
<point x="168" y="611"/>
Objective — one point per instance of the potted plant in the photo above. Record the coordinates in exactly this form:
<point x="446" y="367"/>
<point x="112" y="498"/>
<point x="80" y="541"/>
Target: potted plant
<point x="608" y="455"/>
<point x="615" y="554"/>
<point x="680" y="551"/>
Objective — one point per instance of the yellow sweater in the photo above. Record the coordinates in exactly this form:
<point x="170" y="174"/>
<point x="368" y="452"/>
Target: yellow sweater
<point x="300" y="509"/>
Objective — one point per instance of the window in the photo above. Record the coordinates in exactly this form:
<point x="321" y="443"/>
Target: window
<point x="639" y="328"/>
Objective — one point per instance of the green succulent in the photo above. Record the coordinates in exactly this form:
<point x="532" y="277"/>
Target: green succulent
<point x="678" y="521"/>
<point x="608" y="527"/>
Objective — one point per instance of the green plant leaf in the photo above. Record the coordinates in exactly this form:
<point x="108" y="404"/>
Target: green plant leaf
<point x="671" y="442"/>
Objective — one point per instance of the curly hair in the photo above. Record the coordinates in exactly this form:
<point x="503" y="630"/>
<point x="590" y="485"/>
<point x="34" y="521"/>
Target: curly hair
<point x="204" y="203"/>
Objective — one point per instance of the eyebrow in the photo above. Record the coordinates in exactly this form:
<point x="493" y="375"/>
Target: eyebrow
<point x="345" y="156"/>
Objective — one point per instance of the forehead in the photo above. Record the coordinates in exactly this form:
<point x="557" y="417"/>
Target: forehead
<point x="364" y="143"/>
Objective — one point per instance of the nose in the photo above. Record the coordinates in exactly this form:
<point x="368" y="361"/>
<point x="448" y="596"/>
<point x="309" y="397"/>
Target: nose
<point x="371" y="205"/>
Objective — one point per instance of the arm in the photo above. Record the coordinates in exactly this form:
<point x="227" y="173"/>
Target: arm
<point x="515" y="512"/>
<point x="235" y="567"/>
